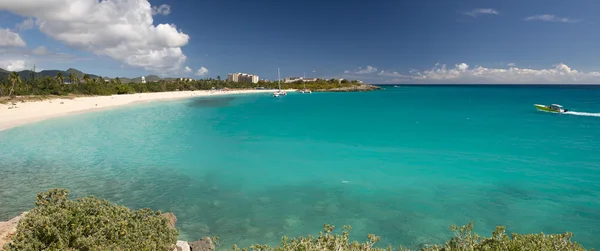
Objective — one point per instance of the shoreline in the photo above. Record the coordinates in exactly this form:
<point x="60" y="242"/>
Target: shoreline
<point x="36" y="111"/>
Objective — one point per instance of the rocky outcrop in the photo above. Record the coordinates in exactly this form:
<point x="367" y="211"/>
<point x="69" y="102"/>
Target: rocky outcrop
<point x="170" y="218"/>
<point x="182" y="246"/>
<point x="8" y="228"/>
<point x="204" y="244"/>
<point x="355" y="88"/>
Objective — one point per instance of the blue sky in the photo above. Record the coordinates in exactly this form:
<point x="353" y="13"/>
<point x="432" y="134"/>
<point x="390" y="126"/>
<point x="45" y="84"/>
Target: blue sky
<point x="378" y="41"/>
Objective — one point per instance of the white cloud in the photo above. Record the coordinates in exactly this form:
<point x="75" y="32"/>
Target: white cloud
<point x="361" y="70"/>
<point x="122" y="30"/>
<point x="163" y="9"/>
<point x="462" y="73"/>
<point x="392" y="74"/>
<point x="202" y="71"/>
<point x="551" y="18"/>
<point x="27" y="24"/>
<point x="13" y="65"/>
<point x="477" y="12"/>
<point x="511" y="64"/>
<point x="187" y="69"/>
<point x="40" y="50"/>
<point x="10" y="39"/>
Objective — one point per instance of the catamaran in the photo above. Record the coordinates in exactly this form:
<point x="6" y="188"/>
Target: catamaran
<point x="555" y="108"/>
<point x="279" y="92"/>
<point x="304" y="82"/>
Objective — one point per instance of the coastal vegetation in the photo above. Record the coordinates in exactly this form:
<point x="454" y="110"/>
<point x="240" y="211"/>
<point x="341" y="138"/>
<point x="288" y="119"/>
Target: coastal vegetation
<point x="59" y="223"/>
<point x="76" y="83"/>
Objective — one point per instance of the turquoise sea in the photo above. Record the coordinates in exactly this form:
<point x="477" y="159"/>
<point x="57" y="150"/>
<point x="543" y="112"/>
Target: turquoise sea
<point x="403" y="163"/>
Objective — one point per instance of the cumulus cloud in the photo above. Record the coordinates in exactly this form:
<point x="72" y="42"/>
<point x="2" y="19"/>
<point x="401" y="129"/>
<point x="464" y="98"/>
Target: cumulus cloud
<point x="477" y="12"/>
<point x="392" y="74"/>
<point x="10" y="39"/>
<point x="361" y="70"/>
<point x="202" y="71"/>
<point x="187" y="69"/>
<point x="13" y="65"/>
<point x="122" y="30"/>
<point x="163" y="9"/>
<point x="551" y="18"/>
<point x="27" y="24"/>
<point x="463" y="73"/>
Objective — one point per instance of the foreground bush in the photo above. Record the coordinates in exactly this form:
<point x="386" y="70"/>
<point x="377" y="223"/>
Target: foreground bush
<point x="58" y="223"/>
<point x="463" y="240"/>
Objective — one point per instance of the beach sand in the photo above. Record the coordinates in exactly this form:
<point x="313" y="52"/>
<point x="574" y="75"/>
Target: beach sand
<point x="30" y="112"/>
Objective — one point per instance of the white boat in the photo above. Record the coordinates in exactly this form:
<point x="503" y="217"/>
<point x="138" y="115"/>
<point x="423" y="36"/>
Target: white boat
<point x="305" y="90"/>
<point x="279" y="92"/>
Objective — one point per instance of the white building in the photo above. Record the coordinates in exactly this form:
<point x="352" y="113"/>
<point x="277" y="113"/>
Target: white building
<point x="242" y="77"/>
<point x="143" y="80"/>
<point x="294" y="79"/>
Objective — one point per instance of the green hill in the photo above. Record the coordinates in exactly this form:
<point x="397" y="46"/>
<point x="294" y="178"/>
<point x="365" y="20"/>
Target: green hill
<point x="28" y="74"/>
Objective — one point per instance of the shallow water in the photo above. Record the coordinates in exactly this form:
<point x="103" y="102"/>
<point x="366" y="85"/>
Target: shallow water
<point x="404" y="163"/>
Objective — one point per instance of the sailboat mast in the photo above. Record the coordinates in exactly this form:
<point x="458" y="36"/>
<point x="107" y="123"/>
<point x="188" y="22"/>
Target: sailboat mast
<point x="279" y="78"/>
<point x="304" y="81"/>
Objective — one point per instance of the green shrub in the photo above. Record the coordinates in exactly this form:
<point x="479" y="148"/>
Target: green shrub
<point x="58" y="223"/>
<point x="463" y="240"/>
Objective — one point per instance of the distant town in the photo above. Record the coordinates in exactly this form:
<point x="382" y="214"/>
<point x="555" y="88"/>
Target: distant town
<point x="251" y="78"/>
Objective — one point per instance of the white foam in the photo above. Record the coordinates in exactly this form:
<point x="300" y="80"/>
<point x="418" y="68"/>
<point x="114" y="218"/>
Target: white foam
<point x="589" y="114"/>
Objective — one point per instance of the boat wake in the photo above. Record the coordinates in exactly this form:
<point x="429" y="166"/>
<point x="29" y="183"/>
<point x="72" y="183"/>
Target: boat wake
<point x="588" y="114"/>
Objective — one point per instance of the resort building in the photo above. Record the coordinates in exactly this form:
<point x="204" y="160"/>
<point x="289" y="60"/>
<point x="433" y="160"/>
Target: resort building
<point x="242" y="77"/>
<point x="294" y="79"/>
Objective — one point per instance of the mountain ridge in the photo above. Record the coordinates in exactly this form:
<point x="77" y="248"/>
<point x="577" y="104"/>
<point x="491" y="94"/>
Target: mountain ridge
<point x="27" y="74"/>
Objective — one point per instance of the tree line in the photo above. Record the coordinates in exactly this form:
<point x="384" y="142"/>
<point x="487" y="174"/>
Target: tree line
<point x="14" y="85"/>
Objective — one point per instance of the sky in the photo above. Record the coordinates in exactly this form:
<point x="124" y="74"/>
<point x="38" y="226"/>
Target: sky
<point x="376" y="41"/>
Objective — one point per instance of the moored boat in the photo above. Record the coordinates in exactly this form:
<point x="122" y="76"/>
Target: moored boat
<point x="279" y="91"/>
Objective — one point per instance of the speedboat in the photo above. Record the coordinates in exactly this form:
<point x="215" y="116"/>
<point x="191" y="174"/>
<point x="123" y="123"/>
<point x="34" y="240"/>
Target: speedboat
<point x="551" y="108"/>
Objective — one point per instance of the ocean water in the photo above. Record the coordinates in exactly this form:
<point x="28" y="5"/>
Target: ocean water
<point x="403" y="163"/>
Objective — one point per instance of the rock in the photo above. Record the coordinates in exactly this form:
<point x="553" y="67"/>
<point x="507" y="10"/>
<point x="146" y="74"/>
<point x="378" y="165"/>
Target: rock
<point x="204" y="244"/>
<point x="182" y="246"/>
<point x="171" y="218"/>
<point x="8" y="228"/>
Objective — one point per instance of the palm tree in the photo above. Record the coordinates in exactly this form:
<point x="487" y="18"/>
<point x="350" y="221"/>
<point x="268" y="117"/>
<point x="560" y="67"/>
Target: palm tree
<point x="86" y="78"/>
<point x="71" y="78"/>
<point x="59" y="78"/>
<point x="15" y="79"/>
<point x="219" y="78"/>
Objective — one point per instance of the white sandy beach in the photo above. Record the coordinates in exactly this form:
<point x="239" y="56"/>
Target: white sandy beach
<point x="30" y="112"/>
